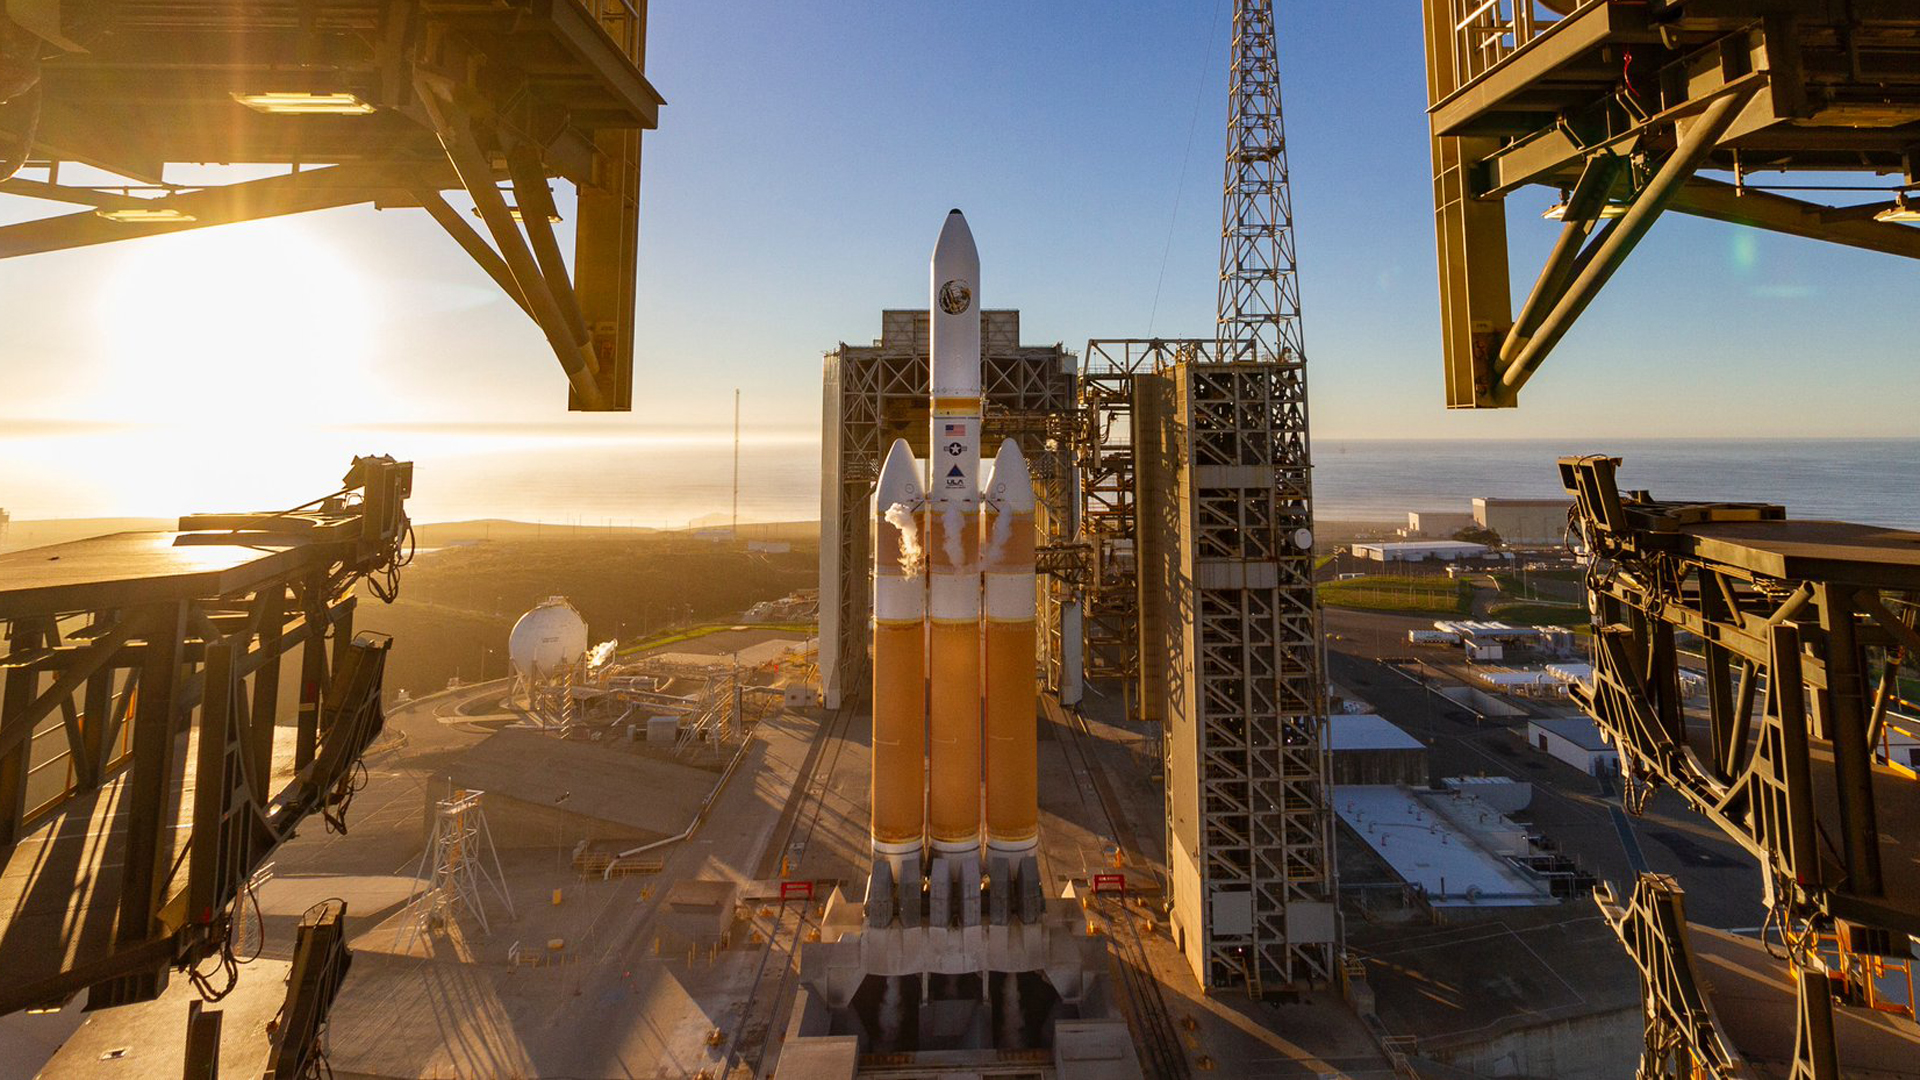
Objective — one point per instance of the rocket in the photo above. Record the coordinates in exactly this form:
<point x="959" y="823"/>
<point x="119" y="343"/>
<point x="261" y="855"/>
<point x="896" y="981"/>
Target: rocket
<point x="954" y="700"/>
<point x="953" y="544"/>
<point x="1012" y="747"/>
<point x="899" y="828"/>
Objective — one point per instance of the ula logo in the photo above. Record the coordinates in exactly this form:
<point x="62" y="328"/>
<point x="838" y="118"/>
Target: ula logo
<point x="955" y="297"/>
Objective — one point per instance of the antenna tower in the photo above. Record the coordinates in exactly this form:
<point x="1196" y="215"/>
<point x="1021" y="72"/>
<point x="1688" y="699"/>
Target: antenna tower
<point x="736" y="463"/>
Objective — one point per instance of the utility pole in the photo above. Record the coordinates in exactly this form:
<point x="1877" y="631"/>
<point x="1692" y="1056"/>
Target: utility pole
<point x="736" y="463"/>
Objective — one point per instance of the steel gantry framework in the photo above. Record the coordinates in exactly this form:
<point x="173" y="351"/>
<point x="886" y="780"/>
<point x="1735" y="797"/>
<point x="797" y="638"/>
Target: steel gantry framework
<point x="360" y="101"/>
<point x="1198" y="524"/>
<point x="144" y="774"/>
<point x="874" y="394"/>
<point x="1121" y="612"/>
<point x="1620" y="105"/>
<point x="1261" y="688"/>
<point x="1805" y="628"/>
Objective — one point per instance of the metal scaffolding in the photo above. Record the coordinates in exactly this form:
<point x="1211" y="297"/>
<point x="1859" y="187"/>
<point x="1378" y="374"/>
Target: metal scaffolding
<point x="1619" y="106"/>
<point x="362" y="102"/>
<point x="1804" y="628"/>
<point x="458" y="860"/>
<point x="877" y="393"/>
<point x="1205" y="517"/>
<point x="1112" y="595"/>
<point x="142" y="779"/>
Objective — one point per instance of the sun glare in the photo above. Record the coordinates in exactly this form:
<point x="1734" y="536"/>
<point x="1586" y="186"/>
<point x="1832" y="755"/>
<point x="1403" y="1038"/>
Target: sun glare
<point x="245" y="326"/>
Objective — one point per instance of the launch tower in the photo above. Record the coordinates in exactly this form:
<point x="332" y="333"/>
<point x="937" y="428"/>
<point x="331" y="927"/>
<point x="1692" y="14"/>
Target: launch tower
<point x="1200" y="586"/>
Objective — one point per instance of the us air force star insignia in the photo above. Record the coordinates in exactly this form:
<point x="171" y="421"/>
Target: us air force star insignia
<point x="954" y="449"/>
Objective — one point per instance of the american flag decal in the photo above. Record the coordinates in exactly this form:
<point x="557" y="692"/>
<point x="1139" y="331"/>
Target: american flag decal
<point x="956" y="429"/>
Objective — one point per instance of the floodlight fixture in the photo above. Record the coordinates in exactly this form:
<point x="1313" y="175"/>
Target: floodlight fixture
<point x="1902" y="212"/>
<point x="144" y="215"/>
<point x="1558" y="211"/>
<point x="300" y="103"/>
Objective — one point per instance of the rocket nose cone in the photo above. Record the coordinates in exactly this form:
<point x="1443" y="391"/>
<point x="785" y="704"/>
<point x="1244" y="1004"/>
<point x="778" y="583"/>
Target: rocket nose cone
<point x="955" y="246"/>
<point x="899" y="479"/>
<point x="955" y="210"/>
<point x="1012" y="484"/>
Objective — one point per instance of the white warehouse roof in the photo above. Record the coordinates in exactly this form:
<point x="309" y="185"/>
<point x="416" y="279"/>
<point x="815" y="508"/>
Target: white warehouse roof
<point x="1415" y="550"/>
<point x="1577" y="730"/>
<point x="1366" y="731"/>
<point x="1491" y="631"/>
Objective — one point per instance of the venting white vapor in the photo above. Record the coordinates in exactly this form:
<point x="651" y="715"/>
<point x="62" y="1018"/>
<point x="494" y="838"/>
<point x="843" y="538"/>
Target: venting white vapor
<point x="953" y="523"/>
<point x="911" y="557"/>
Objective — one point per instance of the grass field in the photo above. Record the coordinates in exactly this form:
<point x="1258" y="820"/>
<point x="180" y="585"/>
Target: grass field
<point x="1412" y="596"/>
<point x="1551" y="586"/>
<point x="1532" y="614"/>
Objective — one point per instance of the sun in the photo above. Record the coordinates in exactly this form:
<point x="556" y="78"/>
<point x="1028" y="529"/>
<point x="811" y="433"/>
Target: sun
<point x="247" y="326"/>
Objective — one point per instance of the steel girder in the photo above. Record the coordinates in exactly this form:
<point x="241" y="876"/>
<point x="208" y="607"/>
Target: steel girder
<point x="107" y="671"/>
<point x="437" y="96"/>
<point x="1683" y="1034"/>
<point x="1790" y="619"/>
<point x="1618" y="105"/>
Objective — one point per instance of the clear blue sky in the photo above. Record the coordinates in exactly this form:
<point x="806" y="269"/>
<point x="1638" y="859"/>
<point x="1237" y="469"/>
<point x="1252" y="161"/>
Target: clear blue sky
<point x="804" y="160"/>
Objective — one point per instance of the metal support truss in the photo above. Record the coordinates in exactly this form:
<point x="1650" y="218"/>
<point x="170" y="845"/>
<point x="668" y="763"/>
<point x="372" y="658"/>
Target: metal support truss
<point x="1260" y="698"/>
<point x="144" y="775"/>
<point x="400" y="101"/>
<point x="1249" y="826"/>
<point x="874" y="394"/>
<point x="1619" y="106"/>
<point x="320" y="962"/>
<point x="1113" y="595"/>
<point x="1198" y="521"/>
<point x="1793" y="620"/>
<point x="1684" y="1036"/>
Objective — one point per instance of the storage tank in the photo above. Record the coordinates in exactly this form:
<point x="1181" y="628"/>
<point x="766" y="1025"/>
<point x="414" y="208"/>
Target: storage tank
<point x="550" y="637"/>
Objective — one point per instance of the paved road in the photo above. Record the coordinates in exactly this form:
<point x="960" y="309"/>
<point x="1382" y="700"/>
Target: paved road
<point x="1722" y="881"/>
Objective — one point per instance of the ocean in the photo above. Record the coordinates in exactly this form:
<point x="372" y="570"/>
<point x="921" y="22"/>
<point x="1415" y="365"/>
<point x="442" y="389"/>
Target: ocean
<point x="594" y="473"/>
<point x="1872" y="481"/>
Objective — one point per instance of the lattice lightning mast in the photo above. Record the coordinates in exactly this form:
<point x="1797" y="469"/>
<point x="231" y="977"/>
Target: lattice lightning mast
<point x="1262" y="638"/>
<point x="1259" y="289"/>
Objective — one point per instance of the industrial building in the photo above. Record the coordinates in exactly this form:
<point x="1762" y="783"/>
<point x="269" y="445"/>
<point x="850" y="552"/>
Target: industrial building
<point x="1369" y="749"/>
<point x="1575" y="740"/>
<point x="1461" y="854"/>
<point x="1435" y="524"/>
<point x="1523" y="522"/>
<point x="1409" y="551"/>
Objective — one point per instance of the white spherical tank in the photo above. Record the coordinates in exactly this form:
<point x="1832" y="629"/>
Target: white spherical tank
<point x="548" y="638"/>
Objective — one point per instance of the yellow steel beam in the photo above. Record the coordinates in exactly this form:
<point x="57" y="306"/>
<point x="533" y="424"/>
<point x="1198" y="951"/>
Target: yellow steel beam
<point x="1765" y="210"/>
<point x="276" y="196"/>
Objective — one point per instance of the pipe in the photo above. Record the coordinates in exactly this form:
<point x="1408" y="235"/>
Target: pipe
<point x="1620" y="241"/>
<point x="699" y="815"/>
<point x="536" y="214"/>
<point x="1583" y="209"/>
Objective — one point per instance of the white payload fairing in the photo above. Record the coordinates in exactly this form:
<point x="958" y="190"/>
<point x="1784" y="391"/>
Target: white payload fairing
<point x="944" y="677"/>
